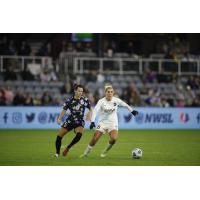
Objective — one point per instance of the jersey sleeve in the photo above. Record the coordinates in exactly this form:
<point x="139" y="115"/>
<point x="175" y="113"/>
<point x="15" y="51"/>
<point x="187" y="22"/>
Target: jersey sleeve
<point x="124" y="104"/>
<point x="66" y="105"/>
<point x="96" y="110"/>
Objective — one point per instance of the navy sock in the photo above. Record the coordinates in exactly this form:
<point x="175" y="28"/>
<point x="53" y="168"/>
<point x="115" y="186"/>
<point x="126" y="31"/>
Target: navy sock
<point x="58" y="144"/>
<point x="75" y="140"/>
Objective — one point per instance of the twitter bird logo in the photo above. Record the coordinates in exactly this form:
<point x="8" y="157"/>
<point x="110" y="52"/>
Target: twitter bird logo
<point x="128" y="118"/>
<point x="30" y="117"/>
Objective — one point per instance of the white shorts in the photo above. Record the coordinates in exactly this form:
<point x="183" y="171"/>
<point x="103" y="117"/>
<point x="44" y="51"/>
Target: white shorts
<point x="106" y="128"/>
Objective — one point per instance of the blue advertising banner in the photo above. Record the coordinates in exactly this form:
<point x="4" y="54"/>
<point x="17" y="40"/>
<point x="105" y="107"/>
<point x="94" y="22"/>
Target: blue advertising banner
<point x="161" y="118"/>
<point x="148" y="118"/>
<point x="29" y="117"/>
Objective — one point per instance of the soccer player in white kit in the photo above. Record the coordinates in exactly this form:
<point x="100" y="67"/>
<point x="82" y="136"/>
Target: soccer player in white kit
<point x="108" y="120"/>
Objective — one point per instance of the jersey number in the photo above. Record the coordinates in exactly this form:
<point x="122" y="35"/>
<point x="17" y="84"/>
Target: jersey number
<point x="98" y="127"/>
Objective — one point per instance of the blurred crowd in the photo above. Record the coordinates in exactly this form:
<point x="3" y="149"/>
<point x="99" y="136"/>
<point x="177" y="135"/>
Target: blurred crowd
<point x="43" y="74"/>
<point x="7" y="98"/>
<point x="183" y="94"/>
<point x="172" y="46"/>
<point x="9" y="47"/>
<point x="186" y="94"/>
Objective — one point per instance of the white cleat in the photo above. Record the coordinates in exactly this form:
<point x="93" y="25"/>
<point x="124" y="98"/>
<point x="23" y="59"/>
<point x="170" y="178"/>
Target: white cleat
<point x="56" y="155"/>
<point x="103" y="155"/>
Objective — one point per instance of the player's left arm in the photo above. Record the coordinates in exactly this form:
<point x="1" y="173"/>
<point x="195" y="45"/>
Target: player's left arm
<point x="124" y="104"/>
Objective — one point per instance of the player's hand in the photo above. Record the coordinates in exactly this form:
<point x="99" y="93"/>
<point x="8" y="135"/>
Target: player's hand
<point x="59" y="121"/>
<point x="134" y="112"/>
<point x="92" y="125"/>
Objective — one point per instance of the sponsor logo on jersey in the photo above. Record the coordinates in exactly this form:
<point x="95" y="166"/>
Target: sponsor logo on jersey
<point x="77" y="107"/>
<point x="109" y="110"/>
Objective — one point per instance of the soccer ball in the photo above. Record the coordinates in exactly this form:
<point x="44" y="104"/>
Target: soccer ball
<point x="136" y="153"/>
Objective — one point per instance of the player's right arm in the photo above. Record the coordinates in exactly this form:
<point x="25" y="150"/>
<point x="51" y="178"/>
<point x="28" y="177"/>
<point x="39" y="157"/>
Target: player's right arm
<point x="65" y="107"/>
<point x="59" y="120"/>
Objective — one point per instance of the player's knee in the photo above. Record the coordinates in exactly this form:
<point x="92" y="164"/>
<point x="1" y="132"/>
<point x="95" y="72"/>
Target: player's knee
<point x="59" y="138"/>
<point x="61" y="133"/>
<point x="92" y="143"/>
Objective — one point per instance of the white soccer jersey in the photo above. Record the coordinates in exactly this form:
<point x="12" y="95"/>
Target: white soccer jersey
<point x="108" y="110"/>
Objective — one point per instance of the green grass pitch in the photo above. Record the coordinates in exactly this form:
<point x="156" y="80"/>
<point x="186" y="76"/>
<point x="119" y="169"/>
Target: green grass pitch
<point x="160" y="148"/>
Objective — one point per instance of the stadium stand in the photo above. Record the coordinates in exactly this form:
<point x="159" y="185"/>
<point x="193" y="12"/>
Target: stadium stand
<point x="40" y="69"/>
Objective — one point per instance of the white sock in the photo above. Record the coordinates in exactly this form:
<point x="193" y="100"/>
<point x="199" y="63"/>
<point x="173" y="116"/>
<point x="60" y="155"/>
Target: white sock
<point x="88" y="150"/>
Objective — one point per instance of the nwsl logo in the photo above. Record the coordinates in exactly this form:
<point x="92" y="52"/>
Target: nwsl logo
<point x="155" y="118"/>
<point x="184" y="117"/>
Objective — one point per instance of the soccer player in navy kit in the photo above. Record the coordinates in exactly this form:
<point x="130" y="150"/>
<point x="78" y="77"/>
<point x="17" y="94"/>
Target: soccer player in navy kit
<point x="76" y="104"/>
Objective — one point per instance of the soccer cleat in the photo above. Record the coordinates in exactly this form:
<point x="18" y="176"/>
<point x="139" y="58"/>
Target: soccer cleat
<point x="103" y="155"/>
<point x="65" y="152"/>
<point x="56" y="155"/>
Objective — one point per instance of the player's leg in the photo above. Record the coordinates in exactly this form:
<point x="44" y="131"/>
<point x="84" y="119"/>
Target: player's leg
<point x="93" y="141"/>
<point x="113" y="137"/>
<point x="78" y="131"/>
<point x="95" y="138"/>
<point x="62" y="131"/>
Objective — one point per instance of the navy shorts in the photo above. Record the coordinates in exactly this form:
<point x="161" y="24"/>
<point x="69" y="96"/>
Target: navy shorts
<point x="69" y="125"/>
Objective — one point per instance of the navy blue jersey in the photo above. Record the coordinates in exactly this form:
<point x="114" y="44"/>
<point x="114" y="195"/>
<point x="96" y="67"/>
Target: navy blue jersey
<point x="76" y="108"/>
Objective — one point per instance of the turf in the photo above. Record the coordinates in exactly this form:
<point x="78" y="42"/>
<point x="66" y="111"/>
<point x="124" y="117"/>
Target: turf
<point x="160" y="148"/>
